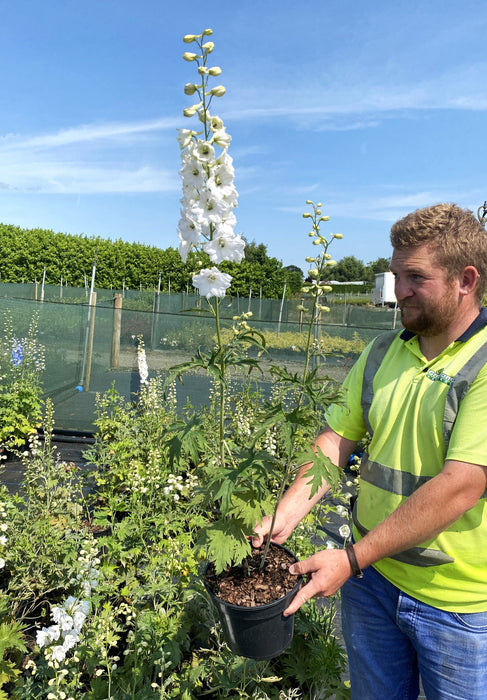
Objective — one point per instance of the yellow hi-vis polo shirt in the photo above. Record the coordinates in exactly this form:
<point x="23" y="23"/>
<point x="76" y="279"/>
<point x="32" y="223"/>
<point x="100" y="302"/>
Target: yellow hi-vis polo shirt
<point x="407" y="448"/>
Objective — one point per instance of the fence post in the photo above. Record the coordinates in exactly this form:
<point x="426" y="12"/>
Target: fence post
<point x="117" y="328"/>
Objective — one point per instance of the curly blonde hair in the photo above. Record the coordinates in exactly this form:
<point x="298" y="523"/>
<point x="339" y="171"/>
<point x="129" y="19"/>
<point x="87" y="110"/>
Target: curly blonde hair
<point x="457" y="237"/>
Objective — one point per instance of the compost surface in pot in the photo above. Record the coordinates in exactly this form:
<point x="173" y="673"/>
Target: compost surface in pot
<point x="248" y="585"/>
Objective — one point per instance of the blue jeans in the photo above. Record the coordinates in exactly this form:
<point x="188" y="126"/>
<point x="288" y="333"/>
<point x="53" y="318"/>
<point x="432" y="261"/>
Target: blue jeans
<point x="391" y="638"/>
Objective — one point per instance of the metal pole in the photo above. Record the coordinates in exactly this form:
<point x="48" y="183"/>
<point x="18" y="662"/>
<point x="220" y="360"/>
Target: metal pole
<point x="88" y="325"/>
<point x="90" y="341"/>
<point x="280" y="310"/>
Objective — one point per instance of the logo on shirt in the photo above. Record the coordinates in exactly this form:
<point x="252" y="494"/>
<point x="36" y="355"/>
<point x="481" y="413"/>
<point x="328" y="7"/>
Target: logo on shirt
<point x="439" y="376"/>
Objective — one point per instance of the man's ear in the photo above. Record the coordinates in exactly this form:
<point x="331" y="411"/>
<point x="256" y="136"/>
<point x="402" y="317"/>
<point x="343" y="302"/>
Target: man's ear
<point x="468" y="280"/>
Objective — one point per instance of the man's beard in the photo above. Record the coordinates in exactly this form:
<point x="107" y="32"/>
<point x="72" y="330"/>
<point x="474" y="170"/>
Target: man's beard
<point x="429" y="318"/>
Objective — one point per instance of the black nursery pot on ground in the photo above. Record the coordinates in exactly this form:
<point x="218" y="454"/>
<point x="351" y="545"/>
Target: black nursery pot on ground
<point x="257" y="631"/>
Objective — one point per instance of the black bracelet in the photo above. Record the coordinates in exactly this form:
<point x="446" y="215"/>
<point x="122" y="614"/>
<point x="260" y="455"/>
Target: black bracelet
<point x="356" y="570"/>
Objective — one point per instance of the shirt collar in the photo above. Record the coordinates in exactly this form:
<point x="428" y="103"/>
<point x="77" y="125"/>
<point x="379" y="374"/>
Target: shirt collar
<point x="479" y="323"/>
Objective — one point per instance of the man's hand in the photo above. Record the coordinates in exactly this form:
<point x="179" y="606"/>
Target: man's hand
<point x="280" y="533"/>
<point x="327" y="571"/>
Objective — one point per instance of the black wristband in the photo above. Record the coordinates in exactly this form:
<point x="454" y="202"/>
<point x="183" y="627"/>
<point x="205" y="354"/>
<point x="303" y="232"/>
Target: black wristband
<point x="356" y="570"/>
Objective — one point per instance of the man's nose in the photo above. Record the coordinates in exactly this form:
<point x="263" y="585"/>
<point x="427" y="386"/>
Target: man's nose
<point x="402" y="289"/>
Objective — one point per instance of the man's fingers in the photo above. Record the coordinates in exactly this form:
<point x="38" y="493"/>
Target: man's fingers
<point x="304" y="594"/>
<point x="303" y="567"/>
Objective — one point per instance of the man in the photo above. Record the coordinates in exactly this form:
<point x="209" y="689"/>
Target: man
<point x="420" y="523"/>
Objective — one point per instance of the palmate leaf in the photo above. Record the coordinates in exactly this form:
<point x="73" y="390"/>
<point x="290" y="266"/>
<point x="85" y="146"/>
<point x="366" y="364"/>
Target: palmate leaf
<point x="11" y="637"/>
<point x="209" y="362"/>
<point x="225" y="542"/>
<point x="322" y="470"/>
<point x="249" y="476"/>
<point x="249" y="507"/>
<point x="274" y="415"/>
<point x="188" y="438"/>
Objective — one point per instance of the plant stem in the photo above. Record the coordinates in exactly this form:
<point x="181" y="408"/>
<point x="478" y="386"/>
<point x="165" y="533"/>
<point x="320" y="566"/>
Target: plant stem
<point x="221" y="425"/>
<point x="321" y="265"/>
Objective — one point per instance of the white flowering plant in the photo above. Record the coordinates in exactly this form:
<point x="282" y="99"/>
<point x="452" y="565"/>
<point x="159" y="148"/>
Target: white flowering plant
<point x="240" y="476"/>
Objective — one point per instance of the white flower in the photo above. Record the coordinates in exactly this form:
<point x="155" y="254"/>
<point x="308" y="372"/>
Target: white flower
<point x="192" y="172"/>
<point x="344" y="531"/>
<point x="142" y="365"/>
<point x="203" y="151"/>
<point x="62" y="617"/>
<point x="219" y="184"/>
<point x="225" y="247"/>
<point x="222" y="138"/>
<point x="188" y="227"/>
<point x="185" y="137"/>
<point x="47" y="635"/>
<point x="58" y="653"/>
<point x="211" y="282"/>
<point x="71" y="638"/>
<point x="213" y="208"/>
<point x="215" y="123"/>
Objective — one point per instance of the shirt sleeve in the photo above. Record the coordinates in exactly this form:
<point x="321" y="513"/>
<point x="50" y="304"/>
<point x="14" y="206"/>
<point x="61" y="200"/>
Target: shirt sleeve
<point x="347" y="419"/>
<point x="468" y="442"/>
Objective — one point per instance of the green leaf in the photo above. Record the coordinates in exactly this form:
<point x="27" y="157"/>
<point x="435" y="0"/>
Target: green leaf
<point x="226" y="543"/>
<point x="322" y="470"/>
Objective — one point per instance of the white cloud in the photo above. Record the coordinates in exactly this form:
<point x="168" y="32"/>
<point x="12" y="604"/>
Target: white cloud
<point x="85" y="133"/>
<point x="62" y="162"/>
<point x="355" y="96"/>
<point x="61" y="178"/>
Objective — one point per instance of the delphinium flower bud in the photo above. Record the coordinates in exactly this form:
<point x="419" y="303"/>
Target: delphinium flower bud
<point x="203" y="115"/>
<point x="189" y="38"/>
<point x="217" y="91"/>
<point x="337" y="235"/>
<point x="190" y="89"/>
<point x="208" y="46"/>
<point x="189" y="56"/>
<point x="216" y="70"/>
<point x="207" y="32"/>
<point x="191" y="111"/>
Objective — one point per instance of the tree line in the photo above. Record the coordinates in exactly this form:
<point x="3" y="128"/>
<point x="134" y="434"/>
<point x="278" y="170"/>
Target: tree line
<point x="27" y="254"/>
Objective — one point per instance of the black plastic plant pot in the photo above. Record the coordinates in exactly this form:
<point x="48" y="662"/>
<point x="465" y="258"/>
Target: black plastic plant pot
<point x="260" y="632"/>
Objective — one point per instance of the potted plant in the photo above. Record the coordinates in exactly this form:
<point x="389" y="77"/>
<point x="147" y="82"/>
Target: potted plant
<point x="242" y="478"/>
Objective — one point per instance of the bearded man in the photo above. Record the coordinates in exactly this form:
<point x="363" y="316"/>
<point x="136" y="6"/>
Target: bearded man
<point x="414" y="582"/>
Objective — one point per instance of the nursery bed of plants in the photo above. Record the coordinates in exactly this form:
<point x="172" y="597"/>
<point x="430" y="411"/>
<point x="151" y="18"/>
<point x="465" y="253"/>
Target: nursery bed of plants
<point x="101" y="594"/>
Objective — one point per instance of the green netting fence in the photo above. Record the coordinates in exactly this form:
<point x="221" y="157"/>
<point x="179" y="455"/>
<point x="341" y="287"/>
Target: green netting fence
<point x="92" y="348"/>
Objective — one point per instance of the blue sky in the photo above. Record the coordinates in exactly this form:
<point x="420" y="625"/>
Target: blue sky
<point x="372" y="108"/>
